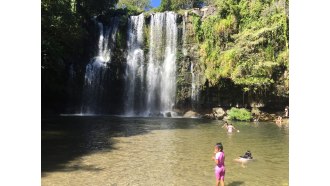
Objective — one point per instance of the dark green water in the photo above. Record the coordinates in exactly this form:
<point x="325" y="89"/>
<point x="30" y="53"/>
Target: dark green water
<point x="107" y="150"/>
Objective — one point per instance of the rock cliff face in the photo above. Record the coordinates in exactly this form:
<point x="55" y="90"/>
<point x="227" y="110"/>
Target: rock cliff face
<point x="190" y="72"/>
<point x="135" y="63"/>
<point x="133" y="70"/>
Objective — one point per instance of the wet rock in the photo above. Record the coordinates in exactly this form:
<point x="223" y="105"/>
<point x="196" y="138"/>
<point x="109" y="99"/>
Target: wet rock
<point x="208" y="116"/>
<point x="168" y="114"/>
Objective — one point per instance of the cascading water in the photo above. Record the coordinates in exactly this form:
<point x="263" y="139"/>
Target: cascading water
<point x="97" y="67"/>
<point x="193" y="85"/>
<point x="161" y="70"/>
<point x="184" y="40"/>
<point x="168" y="78"/>
<point x="155" y="57"/>
<point x="151" y="91"/>
<point x="135" y="67"/>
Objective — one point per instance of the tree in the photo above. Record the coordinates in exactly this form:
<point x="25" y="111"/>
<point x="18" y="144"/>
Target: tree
<point x="90" y="8"/>
<point x="247" y="41"/>
<point x="63" y="34"/>
<point x="167" y="5"/>
<point x="141" y="5"/>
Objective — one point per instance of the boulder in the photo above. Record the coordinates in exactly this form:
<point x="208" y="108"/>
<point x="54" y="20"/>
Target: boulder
<point x="266" y="117"/>
<point x="196" y="11"/>
<point x="208" y="116"/>
<point x="226" y="118"/>
<point x="168" y="114"/>
<point x="191" y="114"/>
<point x="218" y="113"/>
<point x="207" y="11"/>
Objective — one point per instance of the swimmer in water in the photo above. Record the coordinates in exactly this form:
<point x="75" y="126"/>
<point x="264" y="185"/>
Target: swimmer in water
<point x="247" y="155"/>
<point x="278" y="120"/>
<point x="230" y="128"/>
<point x="245" y="158"/>
<point x="225" y="125"/>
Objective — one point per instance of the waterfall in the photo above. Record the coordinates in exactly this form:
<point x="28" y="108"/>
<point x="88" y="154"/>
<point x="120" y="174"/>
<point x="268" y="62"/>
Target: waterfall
<point x="168" y="78"/>
<point x="134" y="76"/>
<point x="97" y="68"/>
<point x="155" y="58"/>
<point x="151" y="83"/>
<point x="184" y="40"/>
<point x="161" y="70"/>
<point x="193" y="85"/>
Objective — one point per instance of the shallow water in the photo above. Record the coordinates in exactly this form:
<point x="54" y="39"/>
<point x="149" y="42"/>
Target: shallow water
<point x="107" y="150"/>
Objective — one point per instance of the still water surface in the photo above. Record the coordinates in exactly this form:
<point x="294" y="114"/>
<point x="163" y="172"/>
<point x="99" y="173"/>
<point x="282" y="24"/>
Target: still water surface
<point x="114" y="151"/>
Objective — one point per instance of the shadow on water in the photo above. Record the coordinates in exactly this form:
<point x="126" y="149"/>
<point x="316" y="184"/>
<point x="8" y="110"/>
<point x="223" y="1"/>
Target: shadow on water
<point x="236" y="183"/>
<point x="67" y="138"/>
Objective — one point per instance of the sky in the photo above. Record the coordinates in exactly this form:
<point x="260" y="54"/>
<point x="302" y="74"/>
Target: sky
<point x="155" y="3"/>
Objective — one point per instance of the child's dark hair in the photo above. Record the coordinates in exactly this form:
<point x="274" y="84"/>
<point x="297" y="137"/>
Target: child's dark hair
<point x="219" y="145"/>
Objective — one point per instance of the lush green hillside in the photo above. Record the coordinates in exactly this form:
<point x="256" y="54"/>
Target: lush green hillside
<point x="247" y="41"/>
<point x="242" y="47"/>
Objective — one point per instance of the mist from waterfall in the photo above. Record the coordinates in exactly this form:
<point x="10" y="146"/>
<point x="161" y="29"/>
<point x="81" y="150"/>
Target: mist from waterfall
<point x="96" y="69"/>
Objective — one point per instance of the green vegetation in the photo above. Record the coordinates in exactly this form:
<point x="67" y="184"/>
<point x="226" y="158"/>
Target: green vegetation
<point x="239" y="114"/>
<point x="64" y="37"/>
<point x="168" y="5"/>
<point x="243" y="46"/>
<point x="246" y="41"/>
<point x="64" y="28"/>
<point x="138" y="5"/>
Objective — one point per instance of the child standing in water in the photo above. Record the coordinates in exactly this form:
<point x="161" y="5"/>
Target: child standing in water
<point x="219" y="159"/>
<point x="230" y="128"/>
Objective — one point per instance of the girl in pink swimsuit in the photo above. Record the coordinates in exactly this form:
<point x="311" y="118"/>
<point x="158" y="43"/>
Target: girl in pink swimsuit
<point x="219" y="159"/>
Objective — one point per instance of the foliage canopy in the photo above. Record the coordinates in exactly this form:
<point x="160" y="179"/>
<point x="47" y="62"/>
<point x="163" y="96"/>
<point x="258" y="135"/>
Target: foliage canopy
<point x="241" y="114"/>
<point x="246" y="41"/>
